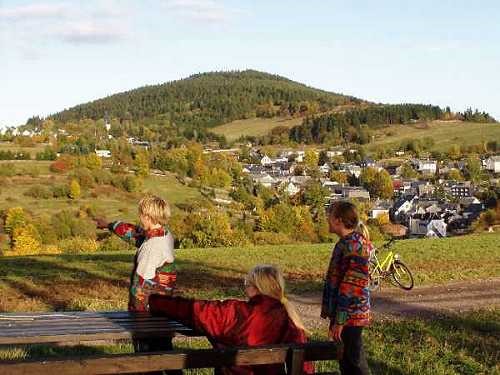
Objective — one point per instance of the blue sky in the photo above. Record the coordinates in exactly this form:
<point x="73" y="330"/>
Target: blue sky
<point x="56" y="54"/>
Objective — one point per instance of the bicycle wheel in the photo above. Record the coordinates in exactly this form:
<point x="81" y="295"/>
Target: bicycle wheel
<point x="402" y="275"/>
<point x="375" y="277"/>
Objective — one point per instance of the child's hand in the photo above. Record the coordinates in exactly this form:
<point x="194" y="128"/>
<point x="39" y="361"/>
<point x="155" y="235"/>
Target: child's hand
<point x="335" y="333"/>
<point x="101" y="223"/>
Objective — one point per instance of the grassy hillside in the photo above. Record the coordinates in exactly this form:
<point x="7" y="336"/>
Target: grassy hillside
<point x="255" y="127"/>
<point x="444" y="134"/>
<point x="107" y="200"/>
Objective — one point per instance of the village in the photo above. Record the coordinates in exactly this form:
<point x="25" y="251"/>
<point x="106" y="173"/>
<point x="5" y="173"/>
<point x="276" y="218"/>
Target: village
<point x="428" y="204"/>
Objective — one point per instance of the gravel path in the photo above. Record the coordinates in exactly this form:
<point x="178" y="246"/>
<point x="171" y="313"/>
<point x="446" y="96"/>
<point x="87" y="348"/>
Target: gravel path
<point x="425" y="301"/>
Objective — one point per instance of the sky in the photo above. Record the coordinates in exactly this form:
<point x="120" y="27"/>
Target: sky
<point x="57" y="54"/>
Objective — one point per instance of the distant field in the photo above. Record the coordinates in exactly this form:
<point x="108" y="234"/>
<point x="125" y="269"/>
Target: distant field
<point x="109" y="201"/>
<point x="253" y="127"/>
<point x="444" y="134"/>
<point x="9" y="146"/>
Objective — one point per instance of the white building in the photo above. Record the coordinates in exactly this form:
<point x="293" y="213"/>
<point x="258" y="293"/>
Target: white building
<point x="292" y="189"/>
<point x="493" y="164"/>
<point x="266" y="160"/>
<point x="265" y="180"/>
<point x="103" y="153"/>
<point x="427" y="166"/>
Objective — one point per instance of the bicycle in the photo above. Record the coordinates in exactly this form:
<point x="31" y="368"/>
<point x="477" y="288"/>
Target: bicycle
<point x="391" y="266"/>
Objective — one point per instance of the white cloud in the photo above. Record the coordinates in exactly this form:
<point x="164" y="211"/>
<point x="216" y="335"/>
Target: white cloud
<point x="201" y="10"/>
<point x="36" y="11"/>
<point x="92" y="22"/>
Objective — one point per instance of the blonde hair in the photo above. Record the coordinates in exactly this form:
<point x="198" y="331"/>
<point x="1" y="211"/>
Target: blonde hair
<point x="348" y="214"/>
<point x="155" y="208"/>
<point x="269" y="281"/>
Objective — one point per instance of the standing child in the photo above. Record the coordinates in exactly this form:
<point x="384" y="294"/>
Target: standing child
<point x="154" y="267"/>
<point x="346" y="297"/>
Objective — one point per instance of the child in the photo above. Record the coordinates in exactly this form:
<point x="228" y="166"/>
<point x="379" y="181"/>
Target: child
<point x="346" y="298"/>
<point x="154" y="267"/>
<point x="266" y="318"/>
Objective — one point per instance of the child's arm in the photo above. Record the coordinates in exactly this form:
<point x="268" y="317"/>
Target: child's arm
<point x="214" y="318"/>
<point x="127" y="232"/>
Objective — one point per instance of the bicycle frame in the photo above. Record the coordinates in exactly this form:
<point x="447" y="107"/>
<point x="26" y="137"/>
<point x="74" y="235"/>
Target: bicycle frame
<point x="386" y="263"/>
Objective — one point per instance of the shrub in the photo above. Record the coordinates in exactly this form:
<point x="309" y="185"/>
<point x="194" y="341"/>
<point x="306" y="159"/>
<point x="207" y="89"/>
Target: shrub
<point x="113" y="243"/>
<point x="74" y="190"/>
<point x="132" y="184"/>
<point x="47" y="154"/>
<point x="39" y="192"/>
<point x="15" y="217"/>
<point x="271" y="238"/>
<point x="26" y="240"/>
<point x="84" y="177"/>
<point x="59" y="166"/>
<point x="102" y="176"/>
<point x="75" y="245"/>
<point x="60" y="191"/>
<point x="65" y="224"/>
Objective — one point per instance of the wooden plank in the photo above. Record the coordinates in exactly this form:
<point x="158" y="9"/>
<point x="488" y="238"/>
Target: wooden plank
<point x="148" y="362"/>
<point x="123" y="364"/>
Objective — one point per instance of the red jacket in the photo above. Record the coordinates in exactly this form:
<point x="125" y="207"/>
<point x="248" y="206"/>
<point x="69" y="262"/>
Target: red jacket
<point x="260" y="321"/>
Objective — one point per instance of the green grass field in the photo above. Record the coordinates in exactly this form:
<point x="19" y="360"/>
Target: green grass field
<point x="253" y="127"/>
<point x="444" y="134"/>
<point x="99" y="281"/>
<point x="453" y="344"/>
<point x="110" y="201"/>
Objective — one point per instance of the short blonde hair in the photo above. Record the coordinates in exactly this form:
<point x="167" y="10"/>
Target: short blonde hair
<point x="155" y="208"/>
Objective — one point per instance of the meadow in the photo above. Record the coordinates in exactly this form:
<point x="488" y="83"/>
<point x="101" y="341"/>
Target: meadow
<point x="254" y="127"/>
<point x="454" y="344"/>
<point x="444" y="134"/>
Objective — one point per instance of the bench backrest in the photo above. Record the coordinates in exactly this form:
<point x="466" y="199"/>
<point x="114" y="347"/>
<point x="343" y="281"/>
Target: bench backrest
<point x="293" y="355"/>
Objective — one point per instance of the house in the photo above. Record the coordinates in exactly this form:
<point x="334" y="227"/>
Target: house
<point x="265" y="161"/>
<point x="325" y="168"/>
<point x="300" y="180"/>
<point x="493" y="164"/>
<point x="427" y="166"/>
<point x="337" y="151"/>
<point x="436" y="228"/>
<point x="265" y="180"/>
<point x="292" y="189"/>
<point x="350" y="192"/>
<point x="380" y="208"/>
<point x="423" y="188"/>
<point x="367" y="163"/>
<point x="459" y="190"/>
<point x="103" y="153"/>
<point x="353" y="169"/>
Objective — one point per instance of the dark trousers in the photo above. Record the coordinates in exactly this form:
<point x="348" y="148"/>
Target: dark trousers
<point x="353" y="360"/>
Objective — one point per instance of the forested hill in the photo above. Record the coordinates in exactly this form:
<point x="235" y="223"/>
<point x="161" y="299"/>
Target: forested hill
<point x="210" y="99"/>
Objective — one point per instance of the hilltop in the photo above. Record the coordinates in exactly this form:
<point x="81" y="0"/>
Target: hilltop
<point x="210" y="99"/>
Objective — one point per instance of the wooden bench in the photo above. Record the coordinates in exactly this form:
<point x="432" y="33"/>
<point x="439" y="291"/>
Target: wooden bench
<point x="77" y="327"/>
<point x="292" y="355"/>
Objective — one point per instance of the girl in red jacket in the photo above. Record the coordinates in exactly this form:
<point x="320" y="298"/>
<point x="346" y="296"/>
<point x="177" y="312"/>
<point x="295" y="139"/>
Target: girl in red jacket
<point x="266" y="318"/>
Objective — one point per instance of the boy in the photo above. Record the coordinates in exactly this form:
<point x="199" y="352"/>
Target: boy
<point x="154" y="267"/>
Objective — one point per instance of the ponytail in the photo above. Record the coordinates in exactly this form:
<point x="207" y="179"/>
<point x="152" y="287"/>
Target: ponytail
<point x="269" y="281"/>
<point x="363" y="230"/>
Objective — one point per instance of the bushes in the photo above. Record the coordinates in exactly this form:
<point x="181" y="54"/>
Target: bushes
<point x="39" y="192"/>
<point x="271" y="238"/>
<point x="60" y="166"/>
<point x="78" y="244"/>
<point x="26" y="240"/>
<point x="66" y="224"/>
<point x="7" y="170"/>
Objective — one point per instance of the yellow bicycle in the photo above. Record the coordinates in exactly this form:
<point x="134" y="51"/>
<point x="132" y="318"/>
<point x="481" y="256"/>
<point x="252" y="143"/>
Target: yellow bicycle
<point x="391" y="267"/>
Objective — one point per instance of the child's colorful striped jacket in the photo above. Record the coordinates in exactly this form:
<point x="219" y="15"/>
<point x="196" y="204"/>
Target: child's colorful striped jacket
<point x="154" y="265"/>
<point x="346" y="296"/>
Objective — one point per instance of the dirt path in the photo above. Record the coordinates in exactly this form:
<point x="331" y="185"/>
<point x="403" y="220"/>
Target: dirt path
<point x="426" y="301"/>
